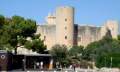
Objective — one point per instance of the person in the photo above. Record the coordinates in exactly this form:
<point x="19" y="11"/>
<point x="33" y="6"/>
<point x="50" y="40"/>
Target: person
<point x="74" y="67"/>
<point x="70" y="67"/>
<point x="23" y="63"/>
<point x="34" y="65"/>
<point x="41" y="65"/>
<point x="37" y="64"/>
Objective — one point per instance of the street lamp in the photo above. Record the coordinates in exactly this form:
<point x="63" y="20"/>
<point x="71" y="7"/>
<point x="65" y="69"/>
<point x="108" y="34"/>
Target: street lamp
<point x="111" y="61"/>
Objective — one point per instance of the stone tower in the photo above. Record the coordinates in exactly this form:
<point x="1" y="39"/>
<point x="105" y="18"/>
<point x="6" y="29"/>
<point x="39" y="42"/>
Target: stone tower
<point x="112" y="26"/>
<point x="50" y="19"/>
<point x="64" y="25"/>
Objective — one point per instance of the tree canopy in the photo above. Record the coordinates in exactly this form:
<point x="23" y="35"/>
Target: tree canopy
<point x="16" y="30"/>
<point x="36" y="44"/>
<point x="60" y="53"/>
<point x="99" y="50"/>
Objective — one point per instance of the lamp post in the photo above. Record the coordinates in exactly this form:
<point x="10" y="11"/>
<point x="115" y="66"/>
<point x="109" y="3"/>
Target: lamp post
<point x="111" y="61"/>
<point x="105" y="61"/>
<point x="18" y="38"/>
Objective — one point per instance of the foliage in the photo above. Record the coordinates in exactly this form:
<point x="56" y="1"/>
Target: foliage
<point x="97" y="51"/>
<point x="75" y="54"/>
<point x="36" y="44"/>
<point x="16" y="30"/>
<point x="76" y="50"/>
<point x="60" y="54"/>
<point x="109" y="60"/>
<point x="2" y="20"/>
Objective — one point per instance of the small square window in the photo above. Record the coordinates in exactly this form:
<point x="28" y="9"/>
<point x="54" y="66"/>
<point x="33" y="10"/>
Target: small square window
<point x="65" y="37"/>
<point x="65" y="28"/>
<point x="65" y="19"/>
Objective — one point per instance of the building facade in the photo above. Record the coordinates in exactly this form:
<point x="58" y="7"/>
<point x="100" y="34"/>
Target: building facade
<point x="59" y="28"/>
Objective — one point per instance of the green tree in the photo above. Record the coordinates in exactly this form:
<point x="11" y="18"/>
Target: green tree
<point x="35" y="44"/>
<point x="97" y="51"/>
<point x="16" y="30"/>
<point x="2" y="21"/>
<point x="4" y="36"/>
<point x="4" y="41"/>
<point x="20" y="27"/>
<point x="75" y="53"/>
<point x="118" y="38"/>
<point x="60" y="54"/>
<point x="76" y="50"/>
<point x="93" y="49"/>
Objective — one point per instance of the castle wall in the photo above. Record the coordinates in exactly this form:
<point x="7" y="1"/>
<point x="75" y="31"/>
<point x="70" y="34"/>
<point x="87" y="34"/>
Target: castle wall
<point x="88" y="34"/>
<point x="48" y="34"/>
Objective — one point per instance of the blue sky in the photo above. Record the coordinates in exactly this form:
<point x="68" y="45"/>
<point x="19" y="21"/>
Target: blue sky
<point x="91" y="12"/>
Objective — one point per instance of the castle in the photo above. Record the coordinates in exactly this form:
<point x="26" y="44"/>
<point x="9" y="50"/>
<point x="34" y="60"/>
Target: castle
<point x="59" y="28"/>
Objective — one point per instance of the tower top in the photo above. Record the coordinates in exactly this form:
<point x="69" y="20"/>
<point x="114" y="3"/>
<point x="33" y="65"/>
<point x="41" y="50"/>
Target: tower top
<point x="64" y="7"/>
